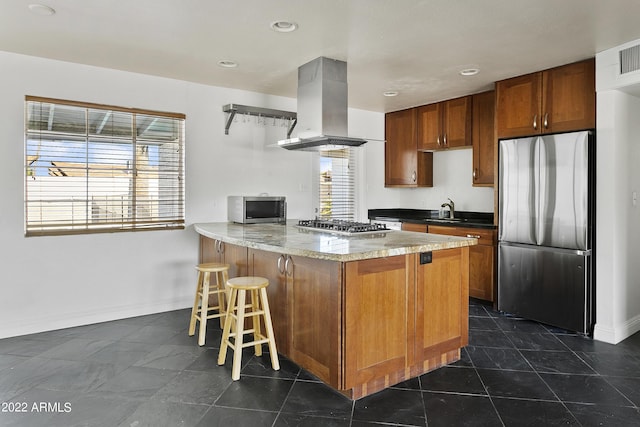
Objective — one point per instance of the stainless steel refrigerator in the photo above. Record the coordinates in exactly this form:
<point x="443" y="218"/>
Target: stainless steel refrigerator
<point x="546" y="229"/>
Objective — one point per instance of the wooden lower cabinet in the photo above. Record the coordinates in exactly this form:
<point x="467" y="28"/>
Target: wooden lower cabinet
<point x="270" y="265"/>
<point x="482" y="276"/>
<point x="362" y="326"/>
<point x="378" y="318"/>
<point x="482" y="259"/>
<point x="316" y="306"/>
<point x="442" y="308"/>
<point x="218" y="251"/>
<point x="410" y="226"/>
<point x="305" y="303"/>
<point x="403" y="318"/>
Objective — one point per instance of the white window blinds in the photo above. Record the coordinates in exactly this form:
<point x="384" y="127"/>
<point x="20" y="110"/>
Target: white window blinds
<point x="337" y="184"/>
<point x="94" y="168"/>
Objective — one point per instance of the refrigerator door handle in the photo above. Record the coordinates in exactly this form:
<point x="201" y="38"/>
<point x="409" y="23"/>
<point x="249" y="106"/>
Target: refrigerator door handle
<point x="540" y="189"/>
<point x="579" y="252"/>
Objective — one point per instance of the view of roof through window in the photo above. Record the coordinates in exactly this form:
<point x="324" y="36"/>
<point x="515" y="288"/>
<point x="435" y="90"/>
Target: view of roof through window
<point x="91" y="168"/>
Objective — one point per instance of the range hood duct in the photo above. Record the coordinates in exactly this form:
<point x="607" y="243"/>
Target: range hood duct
<point x="322" y="107"/>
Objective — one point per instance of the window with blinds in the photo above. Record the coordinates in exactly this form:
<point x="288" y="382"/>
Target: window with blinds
<point x="92" y="168"/>
<point x="337" y="184"/>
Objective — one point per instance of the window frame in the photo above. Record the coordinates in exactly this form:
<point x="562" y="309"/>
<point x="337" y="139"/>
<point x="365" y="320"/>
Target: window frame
<point x="354" y="162"/>
<point x="132" y="223"/>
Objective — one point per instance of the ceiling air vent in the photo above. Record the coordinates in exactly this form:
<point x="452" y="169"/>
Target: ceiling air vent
<point x="630" y="59"/>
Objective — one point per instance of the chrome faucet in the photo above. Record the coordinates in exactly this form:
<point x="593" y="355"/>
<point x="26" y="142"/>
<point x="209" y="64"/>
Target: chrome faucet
<point x="451" y="206"/>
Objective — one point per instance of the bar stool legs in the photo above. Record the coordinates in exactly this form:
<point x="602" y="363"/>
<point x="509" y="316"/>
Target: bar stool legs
<point x="201" y="310"/>
<point x="236" y="314"/>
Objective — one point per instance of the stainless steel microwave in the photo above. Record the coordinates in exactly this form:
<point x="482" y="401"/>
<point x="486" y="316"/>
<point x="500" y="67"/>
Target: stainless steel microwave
<point x="257" y="209"/>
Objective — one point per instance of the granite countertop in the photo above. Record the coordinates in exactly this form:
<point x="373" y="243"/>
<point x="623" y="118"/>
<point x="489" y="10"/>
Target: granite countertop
<point x="430" y="217"/>
<point x="292" y="240"/>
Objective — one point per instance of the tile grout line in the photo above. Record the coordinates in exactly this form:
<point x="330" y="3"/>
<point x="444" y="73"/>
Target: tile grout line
<point x="542" y="379"/>
<point x="486" y="390"/>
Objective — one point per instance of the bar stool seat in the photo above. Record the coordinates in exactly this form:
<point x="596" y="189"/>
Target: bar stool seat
<point x="201" y="310"/>
<point x="235" y="320"/>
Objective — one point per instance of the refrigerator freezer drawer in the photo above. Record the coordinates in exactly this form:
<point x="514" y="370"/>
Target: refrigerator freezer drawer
<point x="547" y="285"/>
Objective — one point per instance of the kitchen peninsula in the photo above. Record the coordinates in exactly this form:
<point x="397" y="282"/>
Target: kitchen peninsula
<point x="361" y="312"/>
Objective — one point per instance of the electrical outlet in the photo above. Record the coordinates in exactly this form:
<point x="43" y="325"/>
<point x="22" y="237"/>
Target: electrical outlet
<point x="425" y="258"/>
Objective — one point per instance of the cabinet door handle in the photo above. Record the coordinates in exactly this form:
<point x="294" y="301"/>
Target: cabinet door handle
<point x="444" y="139"/>
<point x="288" y="263"/>
<point x="221" y="247"/>
<point x="545" y="122"/>
<point x="280" y="269"/>
<point x="535" y="122"/>
<point x="217" y="246"/>
<point x="475" y="173"/>
<point x="438" y="141"/>
<point x="413" y="176"/>
<point x="473" y="236"/>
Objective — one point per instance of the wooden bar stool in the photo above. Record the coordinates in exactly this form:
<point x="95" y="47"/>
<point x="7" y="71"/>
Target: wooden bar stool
<point x="201" y="310"/>
<point x="236" y="314"/>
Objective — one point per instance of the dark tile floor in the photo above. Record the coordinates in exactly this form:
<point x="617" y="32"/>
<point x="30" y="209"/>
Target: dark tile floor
<point x="147" y="371"/>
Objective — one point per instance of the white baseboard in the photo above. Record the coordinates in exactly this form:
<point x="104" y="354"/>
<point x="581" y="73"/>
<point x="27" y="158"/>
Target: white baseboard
<point x="614" y="335"/>
<point x="56" y="321"/>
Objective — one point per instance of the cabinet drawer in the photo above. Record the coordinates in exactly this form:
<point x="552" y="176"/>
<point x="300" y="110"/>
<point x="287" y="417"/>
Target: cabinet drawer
<point x="410" y="226"/>
<point x="484" y="236"/>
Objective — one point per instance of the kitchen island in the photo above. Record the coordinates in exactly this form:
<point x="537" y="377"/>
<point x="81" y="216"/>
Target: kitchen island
<point x="361" y="312"/>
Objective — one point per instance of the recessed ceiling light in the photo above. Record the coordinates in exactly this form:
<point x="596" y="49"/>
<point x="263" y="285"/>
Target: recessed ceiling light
<point x="41" y="9"/>
<point x="390" y="93"/>
<point x="469" y="72"/>
<point x="284" y="26"/>
<point x="225" y="63"/>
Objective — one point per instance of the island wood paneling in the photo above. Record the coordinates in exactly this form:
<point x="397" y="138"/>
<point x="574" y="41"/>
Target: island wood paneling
<point x="314" y="298"/>
<point x="442" y="306"/>
<point x="378" y="319"/>
<point x="265" y="264"/>
<point x="361" y="326"/>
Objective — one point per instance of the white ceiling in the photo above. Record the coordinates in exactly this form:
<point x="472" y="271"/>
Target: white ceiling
<point x="415" y="47"/>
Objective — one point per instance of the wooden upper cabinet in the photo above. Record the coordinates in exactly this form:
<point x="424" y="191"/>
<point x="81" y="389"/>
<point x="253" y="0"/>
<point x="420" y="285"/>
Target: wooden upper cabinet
<point x="404" y="165"/>
<point x="456" y="122"/>
<point x="518" y="105"/>
<point x="429" y="127"/>
<point x="569" y="97"/>
<point x="483" y="137"/>
<point x="555" y="100"/>
<point x="445" y="124"/>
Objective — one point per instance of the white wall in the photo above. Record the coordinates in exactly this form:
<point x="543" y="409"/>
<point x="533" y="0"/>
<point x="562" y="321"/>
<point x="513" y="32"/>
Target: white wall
<point x="452" y="178"/>
<point x="618" y="219"/>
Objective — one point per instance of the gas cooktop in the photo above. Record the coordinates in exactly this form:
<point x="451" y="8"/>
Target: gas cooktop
<point x="341" y="226"/>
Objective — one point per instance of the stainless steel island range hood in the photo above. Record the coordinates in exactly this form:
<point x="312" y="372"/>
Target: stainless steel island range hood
<point x="322" y="107"/>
